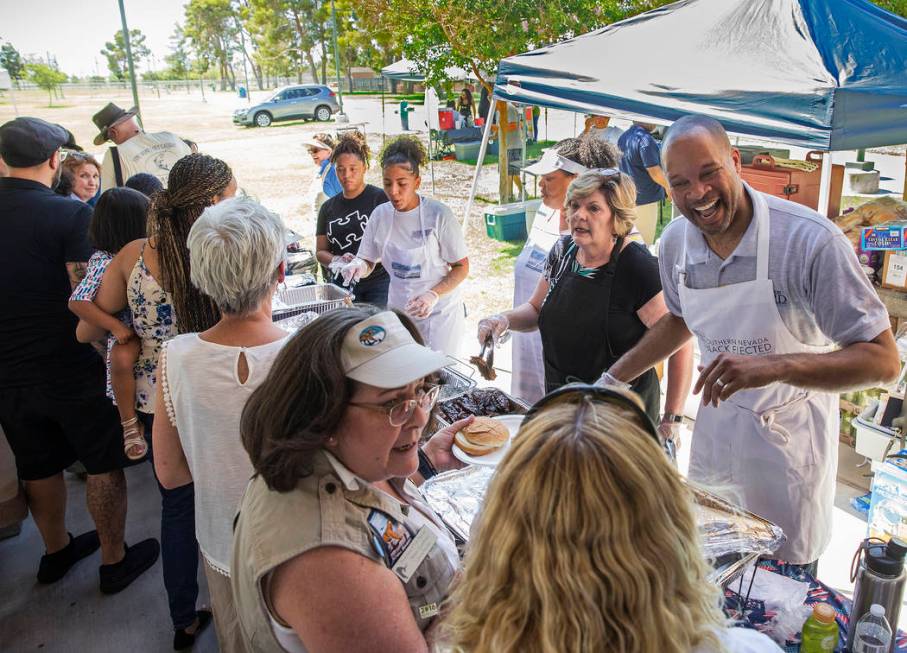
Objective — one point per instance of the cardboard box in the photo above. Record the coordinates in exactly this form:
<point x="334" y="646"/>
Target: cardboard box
<point x="894" y="270"/>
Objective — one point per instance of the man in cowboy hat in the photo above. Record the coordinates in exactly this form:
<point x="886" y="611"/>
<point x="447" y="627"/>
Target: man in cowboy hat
<point x="134" y="150"/>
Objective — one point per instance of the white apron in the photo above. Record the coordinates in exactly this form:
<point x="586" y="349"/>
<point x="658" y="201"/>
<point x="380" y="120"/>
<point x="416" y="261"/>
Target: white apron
<point x="776" y="446"/>
<point x="528" y="378"/>
<point x="415" y="271"/>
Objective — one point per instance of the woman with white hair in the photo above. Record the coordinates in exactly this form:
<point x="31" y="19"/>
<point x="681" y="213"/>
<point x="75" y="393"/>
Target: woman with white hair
<point x="236" y="251"/>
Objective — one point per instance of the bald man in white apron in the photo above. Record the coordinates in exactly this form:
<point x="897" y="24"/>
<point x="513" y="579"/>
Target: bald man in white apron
<point x="785" y="321"/>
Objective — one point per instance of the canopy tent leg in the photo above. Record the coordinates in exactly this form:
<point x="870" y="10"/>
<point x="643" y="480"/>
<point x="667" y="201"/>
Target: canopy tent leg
<point x="431" y="159"/>
<point x="486" y="135"/>
<point x="904" y="196"/>
<point x="825" y="183"/>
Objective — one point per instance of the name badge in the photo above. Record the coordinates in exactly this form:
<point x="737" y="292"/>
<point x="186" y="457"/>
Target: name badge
<point x="414" y="554"/>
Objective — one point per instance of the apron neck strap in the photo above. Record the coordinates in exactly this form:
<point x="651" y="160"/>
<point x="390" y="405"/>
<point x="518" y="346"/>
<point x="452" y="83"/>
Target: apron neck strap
<point x="761" y="217"/>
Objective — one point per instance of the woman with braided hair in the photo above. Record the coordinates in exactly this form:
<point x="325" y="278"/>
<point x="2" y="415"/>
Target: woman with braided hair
<point x="151" y="278"/>
<point x="196" y="182"/>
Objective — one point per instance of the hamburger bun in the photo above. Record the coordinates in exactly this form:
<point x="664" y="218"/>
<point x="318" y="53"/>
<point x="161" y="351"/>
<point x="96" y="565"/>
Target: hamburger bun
<point x="482" y="437"/>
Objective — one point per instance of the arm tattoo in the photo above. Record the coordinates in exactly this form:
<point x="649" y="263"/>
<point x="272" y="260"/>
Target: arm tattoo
<point x="76" y="271"/>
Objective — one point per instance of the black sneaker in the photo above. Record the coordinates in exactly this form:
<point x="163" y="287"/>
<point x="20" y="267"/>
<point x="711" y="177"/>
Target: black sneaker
<point x="139" y="557"/>
<point x="182" y="639"/>
<point x="55" y="565"/>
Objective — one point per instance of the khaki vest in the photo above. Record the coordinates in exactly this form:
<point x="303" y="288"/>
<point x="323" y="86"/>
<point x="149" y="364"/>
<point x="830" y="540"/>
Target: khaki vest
<point x="323" y="510"/>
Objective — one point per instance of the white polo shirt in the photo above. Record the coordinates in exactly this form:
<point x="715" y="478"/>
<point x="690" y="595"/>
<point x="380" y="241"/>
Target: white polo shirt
<point x="821" y="292"/>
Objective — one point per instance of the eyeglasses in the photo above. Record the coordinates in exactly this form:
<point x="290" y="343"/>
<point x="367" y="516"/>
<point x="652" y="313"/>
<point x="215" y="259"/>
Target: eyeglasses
<point x="574" y="393"/>
<point x="398" y="413"/>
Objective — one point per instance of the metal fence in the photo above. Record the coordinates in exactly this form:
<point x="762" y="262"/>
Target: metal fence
<point x="170" y="86"/>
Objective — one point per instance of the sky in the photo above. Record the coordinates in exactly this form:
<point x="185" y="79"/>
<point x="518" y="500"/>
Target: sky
<point x="75" y="30"/>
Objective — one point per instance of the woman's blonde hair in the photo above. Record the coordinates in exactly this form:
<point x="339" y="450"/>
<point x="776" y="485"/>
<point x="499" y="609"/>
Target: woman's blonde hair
<point x="587" y="542"/>
<point x="618" y="190"/>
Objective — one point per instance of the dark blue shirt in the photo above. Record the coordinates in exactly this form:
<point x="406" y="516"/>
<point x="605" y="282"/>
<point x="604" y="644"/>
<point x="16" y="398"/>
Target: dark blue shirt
<point x="41" y="233"/>
<point x="641" y="151"/>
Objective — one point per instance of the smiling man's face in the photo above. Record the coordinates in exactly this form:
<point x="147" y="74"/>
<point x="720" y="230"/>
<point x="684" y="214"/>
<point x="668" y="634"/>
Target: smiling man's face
<point x="704" y="175"/>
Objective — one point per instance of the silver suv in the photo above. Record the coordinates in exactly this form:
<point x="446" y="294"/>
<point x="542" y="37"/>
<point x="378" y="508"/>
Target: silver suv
<point x="289" y="103"/>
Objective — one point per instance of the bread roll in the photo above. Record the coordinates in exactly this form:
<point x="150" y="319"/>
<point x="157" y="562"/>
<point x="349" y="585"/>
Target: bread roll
<point x="483" y="436"/>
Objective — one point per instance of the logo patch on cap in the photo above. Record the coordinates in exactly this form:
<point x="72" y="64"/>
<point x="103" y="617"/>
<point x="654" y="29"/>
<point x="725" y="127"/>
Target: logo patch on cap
<point x="372" y="335"/>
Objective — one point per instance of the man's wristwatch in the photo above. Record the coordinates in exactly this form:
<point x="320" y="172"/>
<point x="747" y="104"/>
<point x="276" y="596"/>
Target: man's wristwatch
<point x="426" y="468"/>
<point x="671" y="418"/>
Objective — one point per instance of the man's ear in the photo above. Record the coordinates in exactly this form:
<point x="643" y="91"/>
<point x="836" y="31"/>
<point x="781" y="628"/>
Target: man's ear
<point x="735" y="157"/>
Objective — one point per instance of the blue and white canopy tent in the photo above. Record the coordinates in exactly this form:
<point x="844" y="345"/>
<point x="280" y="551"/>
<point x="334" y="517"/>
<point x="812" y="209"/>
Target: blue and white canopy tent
<point x="822" y="74"/>
<point x="405" y="70"/>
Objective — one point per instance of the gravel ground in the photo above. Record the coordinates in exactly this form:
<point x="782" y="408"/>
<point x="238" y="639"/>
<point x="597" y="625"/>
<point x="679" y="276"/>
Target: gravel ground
<point x="271" y="165"/>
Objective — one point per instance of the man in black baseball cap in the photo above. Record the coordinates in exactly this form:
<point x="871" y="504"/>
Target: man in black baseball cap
<point x="28" y="142"/>
<point x="53" y="406"/>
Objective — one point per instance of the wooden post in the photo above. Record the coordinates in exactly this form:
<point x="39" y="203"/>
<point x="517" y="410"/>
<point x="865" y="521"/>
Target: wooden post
<point x="504" y="125"/>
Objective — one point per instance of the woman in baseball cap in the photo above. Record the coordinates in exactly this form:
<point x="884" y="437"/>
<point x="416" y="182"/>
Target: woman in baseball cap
<point x="333" y="538"/>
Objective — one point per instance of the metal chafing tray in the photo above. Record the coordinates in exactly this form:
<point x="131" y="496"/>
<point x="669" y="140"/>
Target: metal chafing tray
<point x="732" y="537"/>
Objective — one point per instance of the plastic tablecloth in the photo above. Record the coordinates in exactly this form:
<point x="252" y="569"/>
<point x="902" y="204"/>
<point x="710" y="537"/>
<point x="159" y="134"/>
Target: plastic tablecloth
<point x="756" y="616"/>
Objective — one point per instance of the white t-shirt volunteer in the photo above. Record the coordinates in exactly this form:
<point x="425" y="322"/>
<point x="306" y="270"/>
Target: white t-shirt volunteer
<point x="528" y="379"/>
<point x="152" y="153"/>
<point x="417" y="248"/>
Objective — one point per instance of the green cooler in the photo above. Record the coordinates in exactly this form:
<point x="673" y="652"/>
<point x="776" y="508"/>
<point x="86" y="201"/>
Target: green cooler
<point x="506" y="222"/>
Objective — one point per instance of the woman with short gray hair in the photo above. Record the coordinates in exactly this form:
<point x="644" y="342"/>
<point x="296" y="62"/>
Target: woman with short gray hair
<point x="236" y="253"/>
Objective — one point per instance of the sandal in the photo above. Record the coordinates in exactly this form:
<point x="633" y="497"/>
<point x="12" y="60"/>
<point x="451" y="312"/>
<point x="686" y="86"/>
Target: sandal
<point x="134" y="439"/>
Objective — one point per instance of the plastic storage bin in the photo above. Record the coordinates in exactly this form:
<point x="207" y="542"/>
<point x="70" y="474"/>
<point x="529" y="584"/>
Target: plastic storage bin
<point x="468" y="151"/>
<point x="872" y="439"/>
<point x="506" y="222"/>
<point x="888" y="508"/>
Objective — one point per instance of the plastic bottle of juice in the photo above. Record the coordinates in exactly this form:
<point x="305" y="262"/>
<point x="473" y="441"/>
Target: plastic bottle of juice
<point x="820" y="631"/>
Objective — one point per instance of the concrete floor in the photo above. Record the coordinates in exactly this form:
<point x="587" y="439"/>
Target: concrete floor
<point x="72" y="616"/>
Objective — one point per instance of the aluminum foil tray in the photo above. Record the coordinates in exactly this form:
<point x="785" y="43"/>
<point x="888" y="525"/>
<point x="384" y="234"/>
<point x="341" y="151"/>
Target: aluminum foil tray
<point x="732" y="537"/>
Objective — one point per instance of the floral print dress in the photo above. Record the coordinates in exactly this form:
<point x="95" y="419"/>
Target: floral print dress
<point x="152" y="319"/>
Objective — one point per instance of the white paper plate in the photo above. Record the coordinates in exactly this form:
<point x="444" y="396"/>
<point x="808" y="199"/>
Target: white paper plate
<point x="512" y="422"/>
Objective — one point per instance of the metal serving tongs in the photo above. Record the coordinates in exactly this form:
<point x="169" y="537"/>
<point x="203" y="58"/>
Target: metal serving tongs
<point x="484" y="362"/>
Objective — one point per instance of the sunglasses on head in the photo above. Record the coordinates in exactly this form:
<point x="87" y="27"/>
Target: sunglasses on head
<point x="574" y="393"/>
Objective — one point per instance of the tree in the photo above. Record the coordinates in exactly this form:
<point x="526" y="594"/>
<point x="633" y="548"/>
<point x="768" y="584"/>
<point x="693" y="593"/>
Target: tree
<point x="178" y="61"/>
<point x="115" y="52"/>
<point x="290" y="32"/>
<point x="211" y="30"/>
<point x="477" y="34"/>
<point x="46" y="77"/>
<point x="898" y="7"/>
<point x="12" y="61"/>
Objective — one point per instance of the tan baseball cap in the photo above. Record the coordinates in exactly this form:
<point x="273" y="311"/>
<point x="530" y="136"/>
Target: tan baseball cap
<point x="381" y="352"/>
